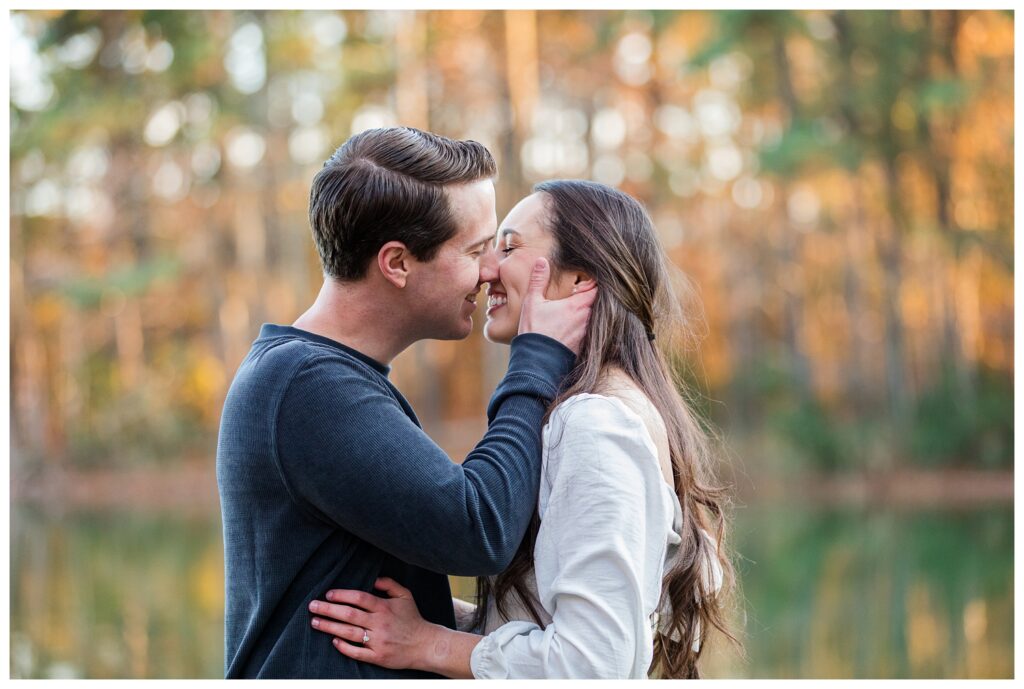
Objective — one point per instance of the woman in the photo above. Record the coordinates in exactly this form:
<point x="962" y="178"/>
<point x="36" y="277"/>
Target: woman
<point x="617" y="569"/>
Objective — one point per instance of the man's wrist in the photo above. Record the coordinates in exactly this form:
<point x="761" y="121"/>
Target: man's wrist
<point x="546" y="342"/>
<point x="540" y="355"/>
<point x="536" y="367"/>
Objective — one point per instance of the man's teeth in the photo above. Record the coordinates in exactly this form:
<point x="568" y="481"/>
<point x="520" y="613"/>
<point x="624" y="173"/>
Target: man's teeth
<point x="496" y="300"/>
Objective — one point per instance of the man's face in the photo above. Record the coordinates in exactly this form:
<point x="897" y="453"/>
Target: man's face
<point x="447" y="286"/>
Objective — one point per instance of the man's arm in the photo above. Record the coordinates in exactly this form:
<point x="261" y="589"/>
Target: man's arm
<point x="351" y="456"/>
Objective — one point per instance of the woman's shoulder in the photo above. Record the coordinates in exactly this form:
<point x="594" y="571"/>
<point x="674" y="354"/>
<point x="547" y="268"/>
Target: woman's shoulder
<point x="591" y="424"/>
<point x="617" y="412"/>
<point x="593" y="410"/>
<point x="617" y="385"/>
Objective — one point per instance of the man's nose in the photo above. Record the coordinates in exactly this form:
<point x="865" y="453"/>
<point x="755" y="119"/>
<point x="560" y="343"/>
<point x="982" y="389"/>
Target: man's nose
<point x="489" y="265"/>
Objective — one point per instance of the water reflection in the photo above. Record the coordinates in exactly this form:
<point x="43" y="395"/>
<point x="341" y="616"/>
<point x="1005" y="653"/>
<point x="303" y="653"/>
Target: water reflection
<point x="115" y="595"/>
<point x="869" y="594"/>
<point x="827" y="594"/>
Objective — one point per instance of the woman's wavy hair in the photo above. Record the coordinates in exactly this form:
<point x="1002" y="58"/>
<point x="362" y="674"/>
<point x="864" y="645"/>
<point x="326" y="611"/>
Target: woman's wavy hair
<point x="608" y="235"/>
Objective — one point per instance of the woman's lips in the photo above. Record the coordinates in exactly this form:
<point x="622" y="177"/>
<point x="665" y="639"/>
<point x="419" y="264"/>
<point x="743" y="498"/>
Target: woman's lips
<point x="495" y="302"/>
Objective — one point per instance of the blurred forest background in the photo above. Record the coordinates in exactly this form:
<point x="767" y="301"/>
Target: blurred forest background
<point x="838" y="185"/>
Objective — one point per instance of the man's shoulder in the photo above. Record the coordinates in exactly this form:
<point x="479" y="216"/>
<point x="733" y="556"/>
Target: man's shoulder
<point x="291" y="355"/>
<point x="281" y="368"/>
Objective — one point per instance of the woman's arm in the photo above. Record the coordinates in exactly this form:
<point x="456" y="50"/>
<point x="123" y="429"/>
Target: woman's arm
<point x="599" y="553"/>
<point x="397" y="636"/>
<point x="448" y="653"/>
<point x="464" y="614"/>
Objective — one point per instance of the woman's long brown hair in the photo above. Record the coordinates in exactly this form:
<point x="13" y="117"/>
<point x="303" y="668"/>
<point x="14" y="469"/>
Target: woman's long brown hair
<point x="608" y="235"/>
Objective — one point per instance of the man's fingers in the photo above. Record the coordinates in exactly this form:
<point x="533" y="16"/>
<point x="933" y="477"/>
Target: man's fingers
<point x="539" y="278"/>
<point x="584" y="298"/>
<point x="392" y="588"/>
<point x="342" y="613"/>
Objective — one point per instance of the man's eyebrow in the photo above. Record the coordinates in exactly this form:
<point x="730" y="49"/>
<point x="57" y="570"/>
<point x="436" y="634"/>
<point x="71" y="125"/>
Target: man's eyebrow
<point x="481" y="242"/>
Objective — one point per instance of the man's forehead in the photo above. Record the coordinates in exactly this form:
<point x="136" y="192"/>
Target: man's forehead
<point x="476" y="195"/>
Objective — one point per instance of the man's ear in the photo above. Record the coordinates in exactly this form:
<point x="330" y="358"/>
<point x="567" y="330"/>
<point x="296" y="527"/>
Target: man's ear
<point x="394" y="260"/>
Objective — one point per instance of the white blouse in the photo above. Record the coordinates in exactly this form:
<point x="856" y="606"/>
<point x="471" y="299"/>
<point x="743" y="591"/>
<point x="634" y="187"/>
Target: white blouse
<point x="610" y="525"/>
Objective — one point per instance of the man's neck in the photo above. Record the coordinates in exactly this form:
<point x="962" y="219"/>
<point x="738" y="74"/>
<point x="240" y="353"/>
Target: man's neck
<point x="352" y="314"/>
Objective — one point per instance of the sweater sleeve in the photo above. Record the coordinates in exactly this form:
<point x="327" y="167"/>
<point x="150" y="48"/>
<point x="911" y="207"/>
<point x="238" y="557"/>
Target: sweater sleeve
<point x="350" y="455"/>
<point x="598" y="556"/>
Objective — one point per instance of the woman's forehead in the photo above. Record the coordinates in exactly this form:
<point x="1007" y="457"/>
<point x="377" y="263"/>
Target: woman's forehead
<point x="526" y="217"/>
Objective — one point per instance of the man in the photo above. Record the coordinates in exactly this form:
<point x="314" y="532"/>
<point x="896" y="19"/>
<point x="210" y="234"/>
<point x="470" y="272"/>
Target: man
<point x="326" y="479"/>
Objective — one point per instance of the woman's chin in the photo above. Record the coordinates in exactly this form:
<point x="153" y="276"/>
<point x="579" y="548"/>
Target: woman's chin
<point x="496" y="334"/>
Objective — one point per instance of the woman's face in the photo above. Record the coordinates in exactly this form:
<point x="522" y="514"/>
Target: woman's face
<point x="521" y="240"/>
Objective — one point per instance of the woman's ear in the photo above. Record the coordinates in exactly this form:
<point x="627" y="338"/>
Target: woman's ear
<point x="394" y="260"/>
<point x="582" y="283"/>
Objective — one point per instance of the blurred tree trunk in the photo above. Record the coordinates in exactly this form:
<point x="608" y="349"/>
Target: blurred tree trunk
<point x="856" y="257"/>
<point x="54" y="379"/>
<point x="260" y="209"/>
<point x="522" y="82"/>
<point x="891" y="248"/>
<point x="129" y="181"/>
<point x="744" y="272"/>
<point x="938" y="134"/>
<point x="790" y="247"/>
<point x="889" y="240"/>
<point x="411" y="76"/>
<point x="29" y="410"/>
<point x="858" y="232"/>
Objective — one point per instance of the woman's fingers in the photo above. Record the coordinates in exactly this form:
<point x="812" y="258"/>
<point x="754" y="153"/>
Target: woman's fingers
<point x="342" y="613"/>
<point x="392" y="588"/>
<point x="340" y="629"/>
<point x="360" y="599"/>
<point x="354" y="652"/>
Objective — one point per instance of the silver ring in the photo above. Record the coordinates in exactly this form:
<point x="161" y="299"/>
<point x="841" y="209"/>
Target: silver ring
<point x="366" y="636"/>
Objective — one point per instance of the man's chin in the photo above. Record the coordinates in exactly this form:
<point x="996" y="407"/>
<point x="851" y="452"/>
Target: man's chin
<point x="457" y="332"/>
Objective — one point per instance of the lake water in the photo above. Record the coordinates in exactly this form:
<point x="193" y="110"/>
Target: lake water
<point x="826" y="593"/>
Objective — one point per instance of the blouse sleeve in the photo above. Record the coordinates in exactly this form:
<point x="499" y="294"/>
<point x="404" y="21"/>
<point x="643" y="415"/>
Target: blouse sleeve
<point x="601" y="540"/>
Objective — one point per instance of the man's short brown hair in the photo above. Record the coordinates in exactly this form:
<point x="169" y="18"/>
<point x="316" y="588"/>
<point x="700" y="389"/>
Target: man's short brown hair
<point x="387" y="185"/>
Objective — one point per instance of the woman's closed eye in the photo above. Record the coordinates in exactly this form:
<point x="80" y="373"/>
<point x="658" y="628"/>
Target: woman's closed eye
<point x="507" y="250"/>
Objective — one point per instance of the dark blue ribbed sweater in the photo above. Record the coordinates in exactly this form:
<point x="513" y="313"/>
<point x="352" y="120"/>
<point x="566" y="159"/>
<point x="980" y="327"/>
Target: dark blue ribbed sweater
<point x="327" y="481"/>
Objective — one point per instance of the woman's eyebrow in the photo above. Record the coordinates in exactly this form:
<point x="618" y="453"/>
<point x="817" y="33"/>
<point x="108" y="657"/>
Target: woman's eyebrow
<point x="508" y="230"/>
